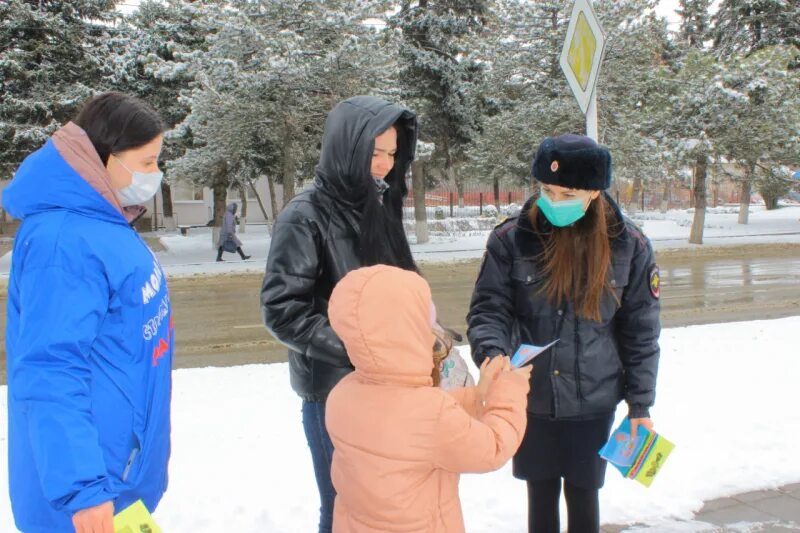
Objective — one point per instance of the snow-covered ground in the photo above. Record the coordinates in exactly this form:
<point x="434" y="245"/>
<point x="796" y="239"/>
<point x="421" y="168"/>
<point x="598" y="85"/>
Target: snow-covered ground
<point x="720" y="223"/>
<point x="193" y="253"/>
<point x="725" y="398"/>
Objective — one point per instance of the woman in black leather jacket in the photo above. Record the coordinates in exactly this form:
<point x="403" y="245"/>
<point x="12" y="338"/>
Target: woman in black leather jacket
<point x="350" y="217"/>
<point x="571" y="267"/>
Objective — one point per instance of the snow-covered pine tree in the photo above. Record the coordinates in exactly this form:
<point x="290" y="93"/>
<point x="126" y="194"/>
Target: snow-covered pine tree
<point x="532" y="100"/>
<point x="526" y="95"/>
<point x="761" y="131"/>
<point x="741" y="27"/>
<point x="440" y="76"/>
<point x="630" y="105"/>
<point x="150" y="38"/>
<point x="690" y="126"/>
<point x="51" y="60"/>
<point x="697" y="110"/>
<point x="262" y="90"/>
<point x="695" y="22"/>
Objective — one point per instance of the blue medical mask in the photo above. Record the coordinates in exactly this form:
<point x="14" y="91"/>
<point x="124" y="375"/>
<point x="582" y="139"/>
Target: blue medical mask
<point x="561" y="214"/>
<point x="144" y="185"/>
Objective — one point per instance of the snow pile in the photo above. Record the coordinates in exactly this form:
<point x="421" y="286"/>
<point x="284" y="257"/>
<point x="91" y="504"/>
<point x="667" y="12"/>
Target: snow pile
<point x="240" y="461"/>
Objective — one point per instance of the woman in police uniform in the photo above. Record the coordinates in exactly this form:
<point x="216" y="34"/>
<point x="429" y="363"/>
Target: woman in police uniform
<point x="571" y="267"/>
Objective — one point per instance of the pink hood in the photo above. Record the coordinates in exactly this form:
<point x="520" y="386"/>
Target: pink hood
<point x="385" y="347"/>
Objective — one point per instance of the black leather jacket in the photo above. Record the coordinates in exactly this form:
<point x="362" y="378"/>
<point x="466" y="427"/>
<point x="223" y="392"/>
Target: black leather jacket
<point x="315" y="241"/>
<point x="595" y="364"/>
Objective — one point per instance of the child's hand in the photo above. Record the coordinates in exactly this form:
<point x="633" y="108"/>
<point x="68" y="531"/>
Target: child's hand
<point x="490" y="369"/>
<point x="524" y="371"/>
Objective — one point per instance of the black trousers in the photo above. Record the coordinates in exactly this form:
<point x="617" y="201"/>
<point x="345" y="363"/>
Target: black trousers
<point x="583" y="507"/>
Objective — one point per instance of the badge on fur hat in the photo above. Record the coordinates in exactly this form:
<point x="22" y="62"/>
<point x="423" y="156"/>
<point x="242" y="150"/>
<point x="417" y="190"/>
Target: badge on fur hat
<point x="554" y="166"/>
<point x="655" y="282"/>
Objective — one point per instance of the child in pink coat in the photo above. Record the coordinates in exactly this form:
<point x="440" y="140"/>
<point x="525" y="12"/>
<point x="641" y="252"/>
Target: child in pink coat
<point x="400" y="443"/>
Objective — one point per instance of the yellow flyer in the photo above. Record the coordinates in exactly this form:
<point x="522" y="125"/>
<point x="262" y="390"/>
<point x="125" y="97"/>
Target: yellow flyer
<point x="135" y="519"/>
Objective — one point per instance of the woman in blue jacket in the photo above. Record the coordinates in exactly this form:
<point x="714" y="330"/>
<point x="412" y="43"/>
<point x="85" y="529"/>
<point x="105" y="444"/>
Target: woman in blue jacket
<point x="571" y="267"/>
<point x="89" y="333"/>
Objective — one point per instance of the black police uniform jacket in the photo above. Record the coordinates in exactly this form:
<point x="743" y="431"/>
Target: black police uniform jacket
<point x="595" y="364"/>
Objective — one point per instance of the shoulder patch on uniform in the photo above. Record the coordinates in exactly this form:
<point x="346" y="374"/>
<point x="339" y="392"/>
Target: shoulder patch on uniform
<point x="655" y="281"/>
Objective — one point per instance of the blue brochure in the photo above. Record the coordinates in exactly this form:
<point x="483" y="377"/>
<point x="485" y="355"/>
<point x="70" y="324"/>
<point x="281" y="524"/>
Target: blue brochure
<point x="621" y="450"/>
<point x="527" y="353"/>
<point x="640" y="459"/>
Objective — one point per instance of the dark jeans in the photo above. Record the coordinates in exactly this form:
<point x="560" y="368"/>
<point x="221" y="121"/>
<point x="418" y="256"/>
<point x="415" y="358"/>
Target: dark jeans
<point x="583" y="507"/>
<point x="319" y="442"/>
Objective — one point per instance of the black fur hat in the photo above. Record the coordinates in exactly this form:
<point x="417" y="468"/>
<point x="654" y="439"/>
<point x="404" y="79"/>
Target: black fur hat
<point x="573" y="161"/>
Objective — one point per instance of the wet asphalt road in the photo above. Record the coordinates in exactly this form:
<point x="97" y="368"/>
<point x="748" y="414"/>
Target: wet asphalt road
<point x="217" y="319"/>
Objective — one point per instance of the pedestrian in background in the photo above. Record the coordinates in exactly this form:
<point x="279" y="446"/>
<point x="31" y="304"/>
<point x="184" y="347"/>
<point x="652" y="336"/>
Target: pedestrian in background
<point x="228" y="241"/>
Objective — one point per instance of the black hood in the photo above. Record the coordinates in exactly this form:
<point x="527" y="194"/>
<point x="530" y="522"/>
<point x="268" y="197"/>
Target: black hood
<point x="349" y="141"/>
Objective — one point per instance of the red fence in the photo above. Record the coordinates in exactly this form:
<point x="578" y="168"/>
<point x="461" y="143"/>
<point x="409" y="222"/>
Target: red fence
<point x="477" y="197"/>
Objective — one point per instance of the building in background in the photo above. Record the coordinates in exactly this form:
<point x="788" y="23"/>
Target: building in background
<point x="193" y="205"/>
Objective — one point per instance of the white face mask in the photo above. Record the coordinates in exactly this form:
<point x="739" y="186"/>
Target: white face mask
<point x="144" y="185"/>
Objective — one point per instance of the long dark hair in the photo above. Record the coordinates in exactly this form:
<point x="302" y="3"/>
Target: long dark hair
<point x="576" y="258"/>
<point x="116" y="122"/>
<point x="383" y="239"/>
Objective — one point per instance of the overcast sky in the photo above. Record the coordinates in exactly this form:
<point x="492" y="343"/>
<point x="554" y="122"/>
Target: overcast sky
<point x="665" y="8"/>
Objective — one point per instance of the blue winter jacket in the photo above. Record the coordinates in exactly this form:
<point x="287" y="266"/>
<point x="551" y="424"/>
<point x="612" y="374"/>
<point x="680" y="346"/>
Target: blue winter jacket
<point x="89" y="342"/>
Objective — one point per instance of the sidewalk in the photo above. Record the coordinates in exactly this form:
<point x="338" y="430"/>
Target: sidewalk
<point x="768" y="511"/>
<point x="194" y="254"/>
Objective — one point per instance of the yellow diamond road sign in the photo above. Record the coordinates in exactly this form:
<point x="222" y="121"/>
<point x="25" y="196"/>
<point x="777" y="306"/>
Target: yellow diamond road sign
<point x="582" y="48"/>
<point x="582" y="52"/>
